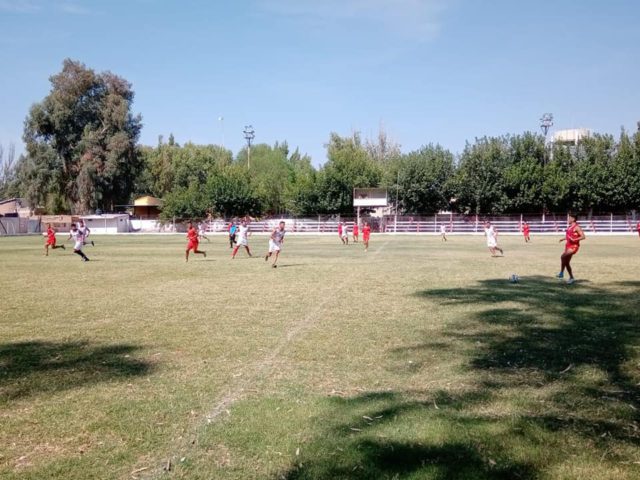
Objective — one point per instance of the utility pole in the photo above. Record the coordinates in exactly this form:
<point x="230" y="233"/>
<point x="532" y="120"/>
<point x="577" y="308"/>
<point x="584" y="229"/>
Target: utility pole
<point x="546" y="122"/>
<point x="249" y="135"/>
<point x="221" y="120"/>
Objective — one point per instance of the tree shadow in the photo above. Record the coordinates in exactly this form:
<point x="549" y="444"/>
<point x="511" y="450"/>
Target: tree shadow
<point x="32" y="368"/>
<point x="354" y="448"/>
<point x="547" y="331"/>
<point x="573" y="348"/>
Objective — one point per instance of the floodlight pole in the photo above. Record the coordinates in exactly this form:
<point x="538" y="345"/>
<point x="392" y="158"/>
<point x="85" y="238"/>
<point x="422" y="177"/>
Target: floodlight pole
<point x="221" y="120"/>
<point x="546" y="122"/>
<point x="395" y="224"/>
<point x="249" y="135"/>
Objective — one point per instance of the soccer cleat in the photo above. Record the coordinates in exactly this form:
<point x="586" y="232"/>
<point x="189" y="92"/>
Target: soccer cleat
<point x="63" y="247"/>
<point x="204" y="254"/>
<point x="571" y="281"/>
<point x="274" y="265"/>
<point x="266" y="257"/>
<point x="560" y="275"/>
<point x="93" y="244"/>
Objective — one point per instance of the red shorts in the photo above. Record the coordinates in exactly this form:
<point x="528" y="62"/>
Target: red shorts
<point x="365" y="237"/>
<point x="192" y="245"/>
<point x="51" y="241"/>
<point x="571" y="248"/>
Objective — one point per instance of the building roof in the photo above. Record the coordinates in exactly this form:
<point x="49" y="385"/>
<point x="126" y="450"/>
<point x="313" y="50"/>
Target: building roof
<point x="147" y="201"/>
<point x="106" y="216"/>
<point x="21" y="201"/>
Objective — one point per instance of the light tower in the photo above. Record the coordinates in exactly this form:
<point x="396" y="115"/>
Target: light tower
<point x="249" y="135"/>
<point x="546" y="122"/>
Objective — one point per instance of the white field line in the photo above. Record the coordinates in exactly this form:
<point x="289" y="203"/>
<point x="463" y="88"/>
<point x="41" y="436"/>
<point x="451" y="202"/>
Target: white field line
<point x="260" y="370"/>
<point x="264" y="366"/>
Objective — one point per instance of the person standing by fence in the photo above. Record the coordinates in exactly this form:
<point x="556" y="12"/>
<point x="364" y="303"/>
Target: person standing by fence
<point x="525" y="232"/>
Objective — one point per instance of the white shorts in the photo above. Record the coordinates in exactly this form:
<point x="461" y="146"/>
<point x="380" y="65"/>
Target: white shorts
<point x="273" y="246"/>
<point x="243" y="242"/>
<point x="78" y="246"/>
<point x="492" y="243"/>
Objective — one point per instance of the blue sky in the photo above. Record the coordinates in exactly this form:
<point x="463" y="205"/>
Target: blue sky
<point x="441" y="71"/>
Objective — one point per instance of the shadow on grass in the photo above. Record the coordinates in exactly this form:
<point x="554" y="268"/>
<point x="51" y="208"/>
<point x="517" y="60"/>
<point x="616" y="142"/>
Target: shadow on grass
<point x="361" y="441"/>
<point x="543" y="330"/>
<point x="31" y="368"/>
<point x="552" y="378"/>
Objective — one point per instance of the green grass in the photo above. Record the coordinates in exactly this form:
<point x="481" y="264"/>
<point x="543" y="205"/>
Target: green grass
<point x="417" y="359"/>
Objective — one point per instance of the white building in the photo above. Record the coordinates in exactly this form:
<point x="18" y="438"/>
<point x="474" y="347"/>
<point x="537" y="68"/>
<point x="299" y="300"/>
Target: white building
<point x="571" y="136"/>
<point x="108" y="223"/>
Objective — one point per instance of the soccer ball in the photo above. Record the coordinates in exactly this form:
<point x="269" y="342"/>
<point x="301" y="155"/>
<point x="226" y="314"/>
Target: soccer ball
<point x="514" y="278"/>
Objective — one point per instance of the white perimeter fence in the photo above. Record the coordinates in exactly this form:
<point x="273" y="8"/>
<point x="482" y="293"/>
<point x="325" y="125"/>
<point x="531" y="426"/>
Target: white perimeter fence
<point x="454" y="224"/>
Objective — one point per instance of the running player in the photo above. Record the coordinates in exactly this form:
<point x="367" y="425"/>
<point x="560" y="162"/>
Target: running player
<point x="345" y="234"/>
<point x="366" y="232"/>
<point x="192" y="236"/>
<point x="638" y="228"/>
<point x="573" y="236"/>
<point x="492" y="239"/>
<point x="243" y="239"/>
<point x="202" y="231"/>
<point x="51" y="240"/>
<point x="85" y="231"/>
<point x="525" y="232"/>
<point x="78" y="242"/>
<point x="340" y="232"/>
<point x="275" y="243"/>
<point x="443" y="232"/>
<point x="355" y="233"/>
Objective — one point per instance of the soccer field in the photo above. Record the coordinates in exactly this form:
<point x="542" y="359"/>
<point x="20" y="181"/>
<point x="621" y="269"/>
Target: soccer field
<point x="417" y="359"/>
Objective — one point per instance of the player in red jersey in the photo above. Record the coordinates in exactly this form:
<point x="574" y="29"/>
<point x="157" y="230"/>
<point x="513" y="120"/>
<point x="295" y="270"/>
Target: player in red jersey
<point x="525" y="232"/>
<point x="573" y="236"/>
<point x="51" y="240"/>
<point x="192" y="236"/>
<point x="366" y="233"/>
<point x="356" y="233"/>
<point x="340" y="232"/>
<point x="638" y="228"/>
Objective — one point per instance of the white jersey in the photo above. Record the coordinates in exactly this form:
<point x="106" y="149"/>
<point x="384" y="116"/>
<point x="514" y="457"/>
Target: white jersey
<point x="275" y="241"/>
<point x="78" y="239"/>
<point x="243" y="235"/>
<point x="345" y="231"/>
<point x="443" y="229"/>
<point x="491" y="234"/>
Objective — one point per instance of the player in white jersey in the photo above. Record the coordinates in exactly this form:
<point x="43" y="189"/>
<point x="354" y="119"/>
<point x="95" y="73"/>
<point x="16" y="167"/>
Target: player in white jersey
<point x="78" y="242"/>
<point x="202" y="231"/>
<point x="492" y="239"/>
<point x="443" y="233"/>
<point x="345" y="234"/>
<point x="85" y="231"/>
<point x="275" y="243"/>
<point x="242" y="239"/>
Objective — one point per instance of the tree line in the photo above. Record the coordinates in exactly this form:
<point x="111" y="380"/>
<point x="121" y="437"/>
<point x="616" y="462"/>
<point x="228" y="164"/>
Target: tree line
<point x="82" y="155"/>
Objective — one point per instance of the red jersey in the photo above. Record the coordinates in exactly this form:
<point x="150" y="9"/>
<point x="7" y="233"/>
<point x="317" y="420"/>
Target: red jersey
<point x="51" y="236"/>
<point x="340" y="229"/>
<point x="525" y="229"/>
<point x="638" y="227"/>
<point x="366" y="231"/>
<point x="572" y="236"/>
<point x="192" y="235"/>
<point x="355" y="229"/>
